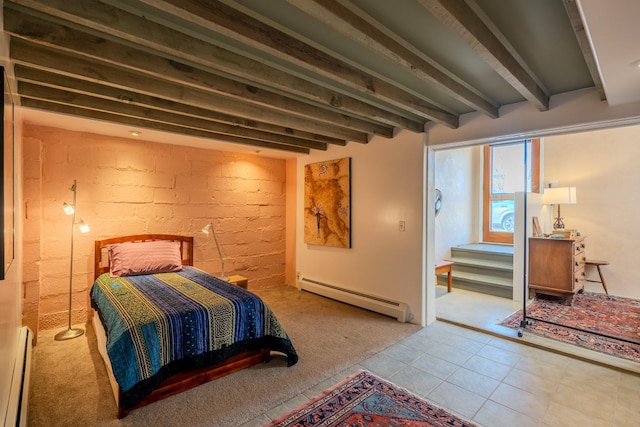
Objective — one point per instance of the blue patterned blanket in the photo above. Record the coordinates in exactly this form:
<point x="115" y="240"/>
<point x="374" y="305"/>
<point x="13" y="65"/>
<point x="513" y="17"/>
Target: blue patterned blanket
<point x="160" y="324"/>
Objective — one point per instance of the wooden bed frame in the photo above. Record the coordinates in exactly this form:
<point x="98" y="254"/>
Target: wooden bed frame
<point x="184" y="380"/>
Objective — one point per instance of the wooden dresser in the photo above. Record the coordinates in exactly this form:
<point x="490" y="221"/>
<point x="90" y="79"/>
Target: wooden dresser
<point x="556" y="266"/>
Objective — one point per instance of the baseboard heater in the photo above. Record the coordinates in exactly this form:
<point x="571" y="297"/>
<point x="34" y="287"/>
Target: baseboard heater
<point x="399" y="310"/>
<point x="19" y="392"/>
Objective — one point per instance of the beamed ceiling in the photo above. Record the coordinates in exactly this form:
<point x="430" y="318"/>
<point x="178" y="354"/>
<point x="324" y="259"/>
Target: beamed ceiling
<point x="294" y="75"/>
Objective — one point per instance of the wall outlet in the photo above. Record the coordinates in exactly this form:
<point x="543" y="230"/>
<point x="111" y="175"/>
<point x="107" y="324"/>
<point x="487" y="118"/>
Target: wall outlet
<point x="402" y="226"/>
<point x="298" y="276"/>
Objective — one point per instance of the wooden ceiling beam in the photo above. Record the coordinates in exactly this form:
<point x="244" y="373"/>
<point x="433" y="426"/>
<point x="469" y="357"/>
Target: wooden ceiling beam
<point x="357" y="28"/>
<point x="130" y="121"/>
<point x="129" y="30"/>
<point x="573" y="11"/>
<point x="43" y="93"/>
<point x="224" y="19"/>
<point x="36" y="57"/>
<point x="144" y="32"/>
<point x="461" y="20"/>
<point x="34" y="76"/>
<point x="97" y="49"/>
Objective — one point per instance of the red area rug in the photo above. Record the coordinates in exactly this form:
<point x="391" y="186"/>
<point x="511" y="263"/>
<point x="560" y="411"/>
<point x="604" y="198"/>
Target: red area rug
<point x="366" y="400"/>
<point x="608" y="324"/>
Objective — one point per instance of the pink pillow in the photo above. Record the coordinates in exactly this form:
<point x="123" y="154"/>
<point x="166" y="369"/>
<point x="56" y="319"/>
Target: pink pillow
<point x="131" y="258"/>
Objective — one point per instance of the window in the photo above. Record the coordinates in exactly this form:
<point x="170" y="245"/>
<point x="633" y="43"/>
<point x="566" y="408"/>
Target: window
<point x="506" y="169"/>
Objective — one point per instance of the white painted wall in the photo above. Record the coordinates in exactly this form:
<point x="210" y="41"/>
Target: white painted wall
<point x="386" y="187"/>
<point x="456" y="175"/>
<point x="603" y="166"/>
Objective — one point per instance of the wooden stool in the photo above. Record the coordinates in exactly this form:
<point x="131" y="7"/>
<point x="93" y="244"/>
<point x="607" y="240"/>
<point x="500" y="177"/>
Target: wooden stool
<point x="445" y="267"/>
<point x="598" y="263"/>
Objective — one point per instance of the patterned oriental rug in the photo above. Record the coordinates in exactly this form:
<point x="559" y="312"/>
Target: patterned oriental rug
<point x="608" y="324"/>
<point x="366" y="400"/>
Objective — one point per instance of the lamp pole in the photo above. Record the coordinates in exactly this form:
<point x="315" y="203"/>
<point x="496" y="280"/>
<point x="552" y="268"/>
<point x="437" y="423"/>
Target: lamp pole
<point x="219" y="252"/>
<point x="70" y="332"/>
<point x="209" y="229"/>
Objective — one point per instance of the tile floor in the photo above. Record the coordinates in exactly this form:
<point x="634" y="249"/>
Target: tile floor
<point x="484" y="312"/>
<point x="496" y="381"/>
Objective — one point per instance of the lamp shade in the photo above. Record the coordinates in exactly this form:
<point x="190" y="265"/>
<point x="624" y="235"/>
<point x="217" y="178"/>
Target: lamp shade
<point x="560" y="196"/>
<point x="84" y="228"/>
<point x="68" y="209"/>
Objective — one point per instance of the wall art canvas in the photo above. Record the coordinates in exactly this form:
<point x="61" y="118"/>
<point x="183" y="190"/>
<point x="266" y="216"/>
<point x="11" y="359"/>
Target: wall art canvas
<point x="327" y="203"/>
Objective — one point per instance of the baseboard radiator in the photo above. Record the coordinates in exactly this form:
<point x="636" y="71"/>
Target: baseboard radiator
<point x="19" y="394"/>
<point x="399" y="310"/>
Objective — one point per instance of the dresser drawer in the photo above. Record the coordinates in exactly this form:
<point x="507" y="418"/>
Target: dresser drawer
<point x="579" y="277"/>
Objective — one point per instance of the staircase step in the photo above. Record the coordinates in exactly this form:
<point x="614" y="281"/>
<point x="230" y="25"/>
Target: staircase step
<point x="496" y="253"/>
<point x="482" y="267"/>
<point x="483" y="279"/>
<point x="493" y="248"/>
<point x="481" y="263"/>
<point x="480" y="283"/>
<point x="488" y="272"/>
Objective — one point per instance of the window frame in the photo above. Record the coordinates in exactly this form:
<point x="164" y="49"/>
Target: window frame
<point x="489" y="236"/>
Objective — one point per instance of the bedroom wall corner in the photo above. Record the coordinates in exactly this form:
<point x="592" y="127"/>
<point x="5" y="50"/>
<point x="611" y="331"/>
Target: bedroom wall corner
<point x="31" y="220"/>
<point x="127" y="187"/>
<point x="290" y="247"/>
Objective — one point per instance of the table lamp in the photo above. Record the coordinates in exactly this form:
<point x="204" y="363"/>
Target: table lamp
<point x="560" y="196"/>
<point x="209" y="229"/>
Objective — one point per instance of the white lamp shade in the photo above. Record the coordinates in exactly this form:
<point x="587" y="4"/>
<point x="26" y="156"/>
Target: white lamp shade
<point x="68" y="209"/>
<point x="207" y="228"/>
<point x="84" y="228"/>
<point x="560" y="196"/>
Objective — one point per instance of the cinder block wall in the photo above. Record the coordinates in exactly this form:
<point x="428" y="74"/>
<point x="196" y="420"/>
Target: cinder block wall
<point x="129" y="186"/>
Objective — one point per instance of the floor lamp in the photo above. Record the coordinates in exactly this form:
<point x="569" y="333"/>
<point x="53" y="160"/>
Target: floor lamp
<point x="209" y="229"/>
<point x="71" y="210"/>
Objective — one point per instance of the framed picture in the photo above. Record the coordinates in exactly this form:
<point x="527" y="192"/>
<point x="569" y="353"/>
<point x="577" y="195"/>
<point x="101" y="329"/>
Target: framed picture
<point x="7" y="188"/>
<point x="327" y="203"/>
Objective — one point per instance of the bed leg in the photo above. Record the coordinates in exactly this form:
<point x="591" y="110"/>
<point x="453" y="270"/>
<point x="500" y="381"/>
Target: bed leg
<point x="122" y="413"/>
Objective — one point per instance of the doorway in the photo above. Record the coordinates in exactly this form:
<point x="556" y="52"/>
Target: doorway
<point x="475" y="228"/>
<point x="600" y="164"/>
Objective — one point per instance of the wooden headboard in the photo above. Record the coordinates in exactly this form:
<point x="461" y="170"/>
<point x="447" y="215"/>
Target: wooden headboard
<point x="101" y="264"/>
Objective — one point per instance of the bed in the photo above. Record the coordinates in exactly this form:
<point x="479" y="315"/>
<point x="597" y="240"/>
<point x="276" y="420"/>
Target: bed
<point x="164" y="326"/>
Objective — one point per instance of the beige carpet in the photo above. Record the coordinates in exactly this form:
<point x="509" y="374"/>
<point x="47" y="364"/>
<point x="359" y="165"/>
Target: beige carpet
<point x="70" y="385"/>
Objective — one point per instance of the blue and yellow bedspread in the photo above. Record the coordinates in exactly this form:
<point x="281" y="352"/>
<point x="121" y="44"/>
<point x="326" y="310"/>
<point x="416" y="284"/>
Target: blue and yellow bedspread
<point x="161" y="324"/>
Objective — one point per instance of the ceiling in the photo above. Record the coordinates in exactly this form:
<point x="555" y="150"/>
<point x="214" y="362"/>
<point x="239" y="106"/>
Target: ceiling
<point x="292" y="76"/>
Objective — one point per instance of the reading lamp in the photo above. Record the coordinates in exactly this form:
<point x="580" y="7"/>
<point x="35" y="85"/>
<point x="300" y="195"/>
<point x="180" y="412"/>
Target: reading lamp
<point x="560" y="196"/>
<point x="209" y="229"/>
<point x="71" y="210"/>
